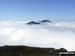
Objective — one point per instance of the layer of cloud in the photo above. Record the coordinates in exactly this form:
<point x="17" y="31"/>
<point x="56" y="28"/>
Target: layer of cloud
<point x="56" y="35"/>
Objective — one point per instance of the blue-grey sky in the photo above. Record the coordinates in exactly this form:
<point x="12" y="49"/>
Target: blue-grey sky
<point x="55" y="10"/>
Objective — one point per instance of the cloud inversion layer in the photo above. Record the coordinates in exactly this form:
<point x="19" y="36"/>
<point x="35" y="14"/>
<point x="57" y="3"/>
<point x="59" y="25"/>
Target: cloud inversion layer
<point x="56" y="35"/>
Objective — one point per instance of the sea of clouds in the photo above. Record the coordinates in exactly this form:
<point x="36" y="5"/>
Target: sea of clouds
<point x="56" y="34"/>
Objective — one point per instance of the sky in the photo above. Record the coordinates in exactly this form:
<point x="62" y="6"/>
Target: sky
<point x="59" y="33"/>
<point x="24" y="10"/>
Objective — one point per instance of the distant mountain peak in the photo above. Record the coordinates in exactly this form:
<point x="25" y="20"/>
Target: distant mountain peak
<point x="39" y="22"/>
<point x="33" y="22"/>
<point x="45" y="21"/>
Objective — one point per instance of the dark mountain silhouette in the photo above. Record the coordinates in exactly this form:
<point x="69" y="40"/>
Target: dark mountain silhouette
<point x="45" y="21"/>
<point x="28" y="51"/>
<point x="36" y="23"/>
<point x="33" y="22"/>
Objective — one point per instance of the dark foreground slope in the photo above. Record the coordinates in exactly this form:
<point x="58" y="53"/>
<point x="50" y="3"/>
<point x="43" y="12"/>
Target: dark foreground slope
<point x="28" y="51"/>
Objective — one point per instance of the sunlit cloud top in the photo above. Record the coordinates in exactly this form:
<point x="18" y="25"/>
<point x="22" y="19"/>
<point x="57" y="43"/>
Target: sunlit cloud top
<point x="54" y="34"/>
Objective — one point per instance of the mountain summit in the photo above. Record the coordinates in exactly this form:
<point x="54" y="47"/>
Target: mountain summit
<point x="39" y="22"/>
<point x="33" y="22"/>
<point x="45" y="21"/>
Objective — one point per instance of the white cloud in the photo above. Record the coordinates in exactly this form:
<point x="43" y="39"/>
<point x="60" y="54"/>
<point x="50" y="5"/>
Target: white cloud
<point x="56" y="35"/>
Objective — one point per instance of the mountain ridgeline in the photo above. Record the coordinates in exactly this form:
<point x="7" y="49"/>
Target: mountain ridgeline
<point x="39" y="22"/>
<point x="28" y="51"/>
